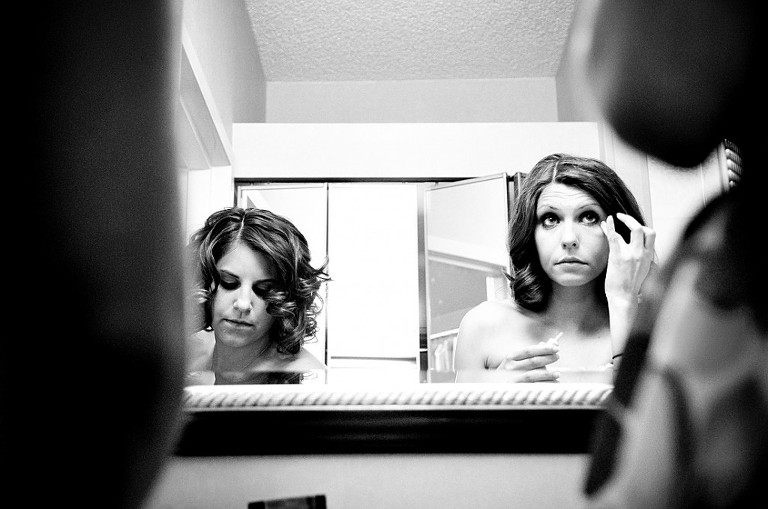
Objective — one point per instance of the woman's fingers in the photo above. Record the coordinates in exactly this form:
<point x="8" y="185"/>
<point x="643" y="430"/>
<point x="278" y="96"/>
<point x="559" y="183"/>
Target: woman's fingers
<point x="540" y="361"/>
<point x="636" y="234"/>
<point x="531" y="362"/>
<point x="628" y="263"/>
<point x="537" y="350"/>
<point x="540" y="375"/>
<point x="527" y="363"/>
<point x="650" y="237"/>
<point x="609" y="229"/>
<point x="640" y="236"/>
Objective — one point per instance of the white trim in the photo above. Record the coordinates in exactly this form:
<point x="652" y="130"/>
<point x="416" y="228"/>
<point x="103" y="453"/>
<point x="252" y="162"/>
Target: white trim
<point x="205" y="89"/>
<point x="389" y="396"/>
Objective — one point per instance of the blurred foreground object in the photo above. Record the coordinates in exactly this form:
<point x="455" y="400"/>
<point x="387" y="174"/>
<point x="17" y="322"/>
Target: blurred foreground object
<point x="92" y="373"/>
<point x="686" y="423"/>
<point x="674" y="79"/>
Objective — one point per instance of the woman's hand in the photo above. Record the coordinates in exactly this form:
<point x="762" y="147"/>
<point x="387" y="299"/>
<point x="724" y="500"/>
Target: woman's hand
<point x="628" y="263"/>
<point x="628" y="267"/>
<point x="531" y="362"/>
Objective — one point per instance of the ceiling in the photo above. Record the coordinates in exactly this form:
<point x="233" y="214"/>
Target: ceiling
<point x="381" y="40"/>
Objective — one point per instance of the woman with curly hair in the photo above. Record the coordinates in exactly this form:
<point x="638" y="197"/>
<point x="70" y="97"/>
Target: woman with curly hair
<point x="256" y="296"/>
<point x="579" y="252"/>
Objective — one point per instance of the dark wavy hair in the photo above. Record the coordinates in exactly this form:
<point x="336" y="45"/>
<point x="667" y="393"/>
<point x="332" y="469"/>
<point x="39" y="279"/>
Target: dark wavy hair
<point x="294" y="301"/>
<point x="531" y="287"/>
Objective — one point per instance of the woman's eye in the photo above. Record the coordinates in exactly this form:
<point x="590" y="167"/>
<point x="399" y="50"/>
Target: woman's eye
<point x="590" y="218"/>
<point x="229" y="284"/>
<point x="263" y="288"/>
<point x="548" y="220"/>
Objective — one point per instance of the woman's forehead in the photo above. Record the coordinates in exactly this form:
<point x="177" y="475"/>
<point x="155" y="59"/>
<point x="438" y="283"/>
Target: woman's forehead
<point x="241" y="258"/>
<point x="558" y="195"/>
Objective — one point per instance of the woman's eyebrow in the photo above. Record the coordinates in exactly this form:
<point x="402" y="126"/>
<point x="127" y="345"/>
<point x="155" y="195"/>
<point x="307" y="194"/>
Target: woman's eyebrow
<point x="546" y="206"/>
<point x="589" y="205"/>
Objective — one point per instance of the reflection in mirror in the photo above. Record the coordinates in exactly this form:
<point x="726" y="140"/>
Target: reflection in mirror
<point x="466" y="258"/>
<point x="369" y="233"/>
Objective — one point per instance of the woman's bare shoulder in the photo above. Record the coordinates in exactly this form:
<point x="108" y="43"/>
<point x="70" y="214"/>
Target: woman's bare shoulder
<point x="303" y="361"/>
<point x="494" y="313"/>
<point x="488" y="329"/>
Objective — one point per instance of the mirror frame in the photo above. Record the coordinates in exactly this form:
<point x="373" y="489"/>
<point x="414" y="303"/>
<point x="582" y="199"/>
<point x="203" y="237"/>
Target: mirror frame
<point x="489" y="418"/>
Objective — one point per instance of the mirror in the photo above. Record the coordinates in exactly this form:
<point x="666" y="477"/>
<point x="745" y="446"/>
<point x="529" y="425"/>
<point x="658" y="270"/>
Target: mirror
<point x="466" y="229"/>
<point x="240" y="83"/>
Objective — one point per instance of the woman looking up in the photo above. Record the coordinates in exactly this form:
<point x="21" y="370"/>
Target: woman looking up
<point x="579" y="252"/>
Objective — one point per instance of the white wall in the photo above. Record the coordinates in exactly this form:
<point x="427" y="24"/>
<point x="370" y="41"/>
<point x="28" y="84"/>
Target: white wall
<point x="218" y="36"/>
<point x="377" y="481"/>
<point x="206" y="191"/>
<point x="403" y="150"/>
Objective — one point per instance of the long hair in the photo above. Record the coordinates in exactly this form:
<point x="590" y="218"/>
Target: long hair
<point x="294" y="301"/>
<point x="530" y="285"/>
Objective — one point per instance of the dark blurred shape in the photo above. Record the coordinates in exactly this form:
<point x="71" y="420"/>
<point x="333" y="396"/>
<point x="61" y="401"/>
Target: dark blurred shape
<point x="675" y="80"/>
<point x="92" y="374"/>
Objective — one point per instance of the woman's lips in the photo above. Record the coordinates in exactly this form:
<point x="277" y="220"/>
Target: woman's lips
<point x="572" y="261"/>
<point x="238" y="323"/>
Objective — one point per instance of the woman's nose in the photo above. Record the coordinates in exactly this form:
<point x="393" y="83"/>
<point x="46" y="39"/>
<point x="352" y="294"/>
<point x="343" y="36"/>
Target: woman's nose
<point x="569" y="239"/>
<point x="243" y="303"/>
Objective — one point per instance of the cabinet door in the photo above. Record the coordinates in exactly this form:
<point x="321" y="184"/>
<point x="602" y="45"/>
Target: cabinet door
<point x="373" y="299"/>
<point x="466" y="256"/>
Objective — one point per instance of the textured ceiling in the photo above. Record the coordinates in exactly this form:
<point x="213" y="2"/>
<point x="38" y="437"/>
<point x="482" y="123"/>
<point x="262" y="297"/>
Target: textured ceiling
<point x="374" y="40"/>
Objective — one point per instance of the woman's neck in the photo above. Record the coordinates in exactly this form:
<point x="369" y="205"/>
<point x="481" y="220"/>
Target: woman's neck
<point x="576" y="310"/>
<point x="227" y="358"/>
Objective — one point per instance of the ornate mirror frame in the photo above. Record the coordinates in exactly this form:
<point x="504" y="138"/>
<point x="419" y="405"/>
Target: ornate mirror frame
<point x="526" y="418"/>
